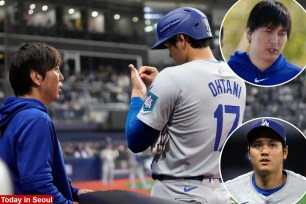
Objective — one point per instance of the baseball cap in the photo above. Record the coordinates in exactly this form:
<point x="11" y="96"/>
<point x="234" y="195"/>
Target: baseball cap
<point x="267" y="123"/>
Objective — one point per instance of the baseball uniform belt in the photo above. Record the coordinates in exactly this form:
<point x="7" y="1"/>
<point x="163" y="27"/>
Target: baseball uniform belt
<point x="165" y="177"/>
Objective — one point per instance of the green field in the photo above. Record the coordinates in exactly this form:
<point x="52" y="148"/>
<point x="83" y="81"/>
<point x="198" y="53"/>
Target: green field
<point x="303" y="200"/>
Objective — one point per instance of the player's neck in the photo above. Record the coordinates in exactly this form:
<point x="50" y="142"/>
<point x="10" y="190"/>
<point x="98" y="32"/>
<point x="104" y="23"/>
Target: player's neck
<point x="270" y="181"/>
<point x="35" y="95"/>
<point x="201" y="54"/>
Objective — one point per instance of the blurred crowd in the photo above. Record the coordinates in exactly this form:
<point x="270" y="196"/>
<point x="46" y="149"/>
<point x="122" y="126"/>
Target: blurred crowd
<point x="90" y="149"/>
<point x="123" y="158"/>
<point x="89" y="96"/>
<point x="287" y="102"/>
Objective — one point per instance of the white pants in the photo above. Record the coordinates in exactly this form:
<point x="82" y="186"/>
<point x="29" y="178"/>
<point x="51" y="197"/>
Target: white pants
<point x="207" y="191"/>
<point x="108" y="169"/>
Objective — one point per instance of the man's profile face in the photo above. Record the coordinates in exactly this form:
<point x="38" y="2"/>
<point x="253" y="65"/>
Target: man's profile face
<point x="266" y="43"/>
<point x="51" y="85"/>
<point x="267" y="154"/>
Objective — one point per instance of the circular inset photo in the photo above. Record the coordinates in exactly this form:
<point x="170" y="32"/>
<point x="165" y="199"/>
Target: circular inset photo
<point x="264" y="41"/>
<point x="263" y="162"/>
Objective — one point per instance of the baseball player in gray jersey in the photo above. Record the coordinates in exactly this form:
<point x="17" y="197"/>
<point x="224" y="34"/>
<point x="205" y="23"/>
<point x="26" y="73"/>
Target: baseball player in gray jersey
<point x="269" y="182"/>
<point x="189" y="111"/>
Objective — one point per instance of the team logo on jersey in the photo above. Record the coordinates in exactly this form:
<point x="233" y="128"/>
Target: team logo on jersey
<point x="150" y="102"/>
<point x="264" y="123"/>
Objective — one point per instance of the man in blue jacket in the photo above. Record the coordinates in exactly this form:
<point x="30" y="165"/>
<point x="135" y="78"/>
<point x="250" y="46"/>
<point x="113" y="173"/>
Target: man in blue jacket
<point x="28" y="142"/>
<point x="268" y="29"/>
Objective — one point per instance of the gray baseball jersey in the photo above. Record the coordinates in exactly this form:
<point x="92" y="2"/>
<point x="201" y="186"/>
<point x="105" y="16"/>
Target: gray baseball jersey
<point x="242" y="190"/>
<point x="200" y="103"/>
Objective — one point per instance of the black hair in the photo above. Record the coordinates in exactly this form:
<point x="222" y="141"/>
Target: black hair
<point x="269" y="13"/>
<point x="34" y="56"/>
<point x="221" y="33"/>
<point x="194" y="43"/>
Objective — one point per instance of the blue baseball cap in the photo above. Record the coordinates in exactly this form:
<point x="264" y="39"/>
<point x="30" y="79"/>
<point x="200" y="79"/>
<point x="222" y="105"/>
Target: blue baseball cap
<point x="265" y="124"/>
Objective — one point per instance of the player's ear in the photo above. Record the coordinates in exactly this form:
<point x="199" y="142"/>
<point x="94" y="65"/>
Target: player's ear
<point x="180" y="38"/>
<point x="285" y="155"/>
<point x="36" y="77"/>
<point x="248" y="34"/>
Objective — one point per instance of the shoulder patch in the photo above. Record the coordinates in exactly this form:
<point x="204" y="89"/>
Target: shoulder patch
<point x="150" y="102"/>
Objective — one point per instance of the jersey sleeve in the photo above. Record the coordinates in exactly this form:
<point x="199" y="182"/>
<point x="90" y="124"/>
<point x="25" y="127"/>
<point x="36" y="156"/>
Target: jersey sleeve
<point x="161" y="100"/>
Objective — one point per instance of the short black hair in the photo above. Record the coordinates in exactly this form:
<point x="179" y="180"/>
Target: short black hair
<point x="37" y="56"/>
<point x="269" y="13"/>
<point x="193" y="42"/>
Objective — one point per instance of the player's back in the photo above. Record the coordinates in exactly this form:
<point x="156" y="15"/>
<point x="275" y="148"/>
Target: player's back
<point x="208" y="101"/>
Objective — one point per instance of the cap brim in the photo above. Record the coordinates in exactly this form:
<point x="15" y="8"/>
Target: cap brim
<point x="252" y="133"/>
<point x="159" y="45"/>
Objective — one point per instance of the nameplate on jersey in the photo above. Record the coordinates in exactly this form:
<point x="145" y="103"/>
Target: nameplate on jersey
<point x="225" y="86"/>
<point x="150" y="102"/>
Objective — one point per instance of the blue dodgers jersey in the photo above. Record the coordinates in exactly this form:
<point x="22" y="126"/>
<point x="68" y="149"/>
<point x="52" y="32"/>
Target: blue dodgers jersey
<point x="279" y="72"/>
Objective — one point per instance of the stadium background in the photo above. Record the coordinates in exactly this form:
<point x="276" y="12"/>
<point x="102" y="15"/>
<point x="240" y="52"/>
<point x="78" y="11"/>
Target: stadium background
<point x="98" y="39"/>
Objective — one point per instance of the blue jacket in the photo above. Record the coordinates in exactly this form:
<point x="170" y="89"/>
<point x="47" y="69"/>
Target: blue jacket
<point x="30" y="147"/>
<point x="279" y="72"/>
